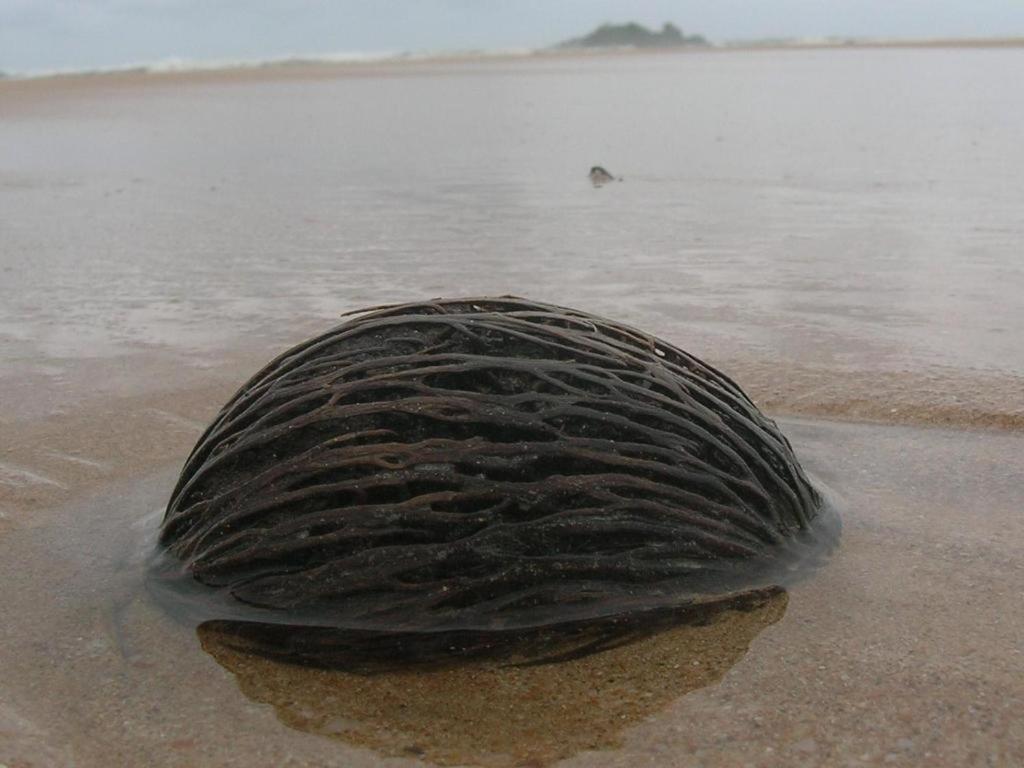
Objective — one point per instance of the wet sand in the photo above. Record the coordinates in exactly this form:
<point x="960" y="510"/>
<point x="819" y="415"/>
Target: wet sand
<point x="148" y="270"/>
<point x="906" y="648"/>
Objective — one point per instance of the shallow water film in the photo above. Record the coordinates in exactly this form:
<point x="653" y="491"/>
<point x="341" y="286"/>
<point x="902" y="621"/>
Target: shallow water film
<point x="840" y="235"/>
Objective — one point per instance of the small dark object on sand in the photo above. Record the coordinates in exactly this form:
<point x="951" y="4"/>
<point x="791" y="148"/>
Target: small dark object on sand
<point x="472" y="465"/>
<point x="599" y="176"/>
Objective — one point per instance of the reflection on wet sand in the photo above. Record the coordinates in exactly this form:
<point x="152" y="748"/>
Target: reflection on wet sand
<point x="497" y="711"/>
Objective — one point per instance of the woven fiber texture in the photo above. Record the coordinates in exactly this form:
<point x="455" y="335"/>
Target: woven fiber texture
<point x="481" y="463"/>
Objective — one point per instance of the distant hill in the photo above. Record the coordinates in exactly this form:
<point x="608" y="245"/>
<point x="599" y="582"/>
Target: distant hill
<point x="633" y="35"/>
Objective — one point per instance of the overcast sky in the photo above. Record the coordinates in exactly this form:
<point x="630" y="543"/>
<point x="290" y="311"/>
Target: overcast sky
<point x="61" y="34"/>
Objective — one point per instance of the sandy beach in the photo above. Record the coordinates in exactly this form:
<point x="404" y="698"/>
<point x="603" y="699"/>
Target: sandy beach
<point x="840" y="235"/>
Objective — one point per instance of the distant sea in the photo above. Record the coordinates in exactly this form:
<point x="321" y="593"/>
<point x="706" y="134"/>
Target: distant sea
<point x="180" y="64"/>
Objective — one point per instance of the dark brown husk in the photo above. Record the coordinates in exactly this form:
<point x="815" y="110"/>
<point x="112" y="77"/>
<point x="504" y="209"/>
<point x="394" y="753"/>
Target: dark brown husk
<point x="481" y="464"/>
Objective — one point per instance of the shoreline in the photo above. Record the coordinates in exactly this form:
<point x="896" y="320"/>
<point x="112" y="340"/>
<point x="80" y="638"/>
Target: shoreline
<point x="324" y="67"/>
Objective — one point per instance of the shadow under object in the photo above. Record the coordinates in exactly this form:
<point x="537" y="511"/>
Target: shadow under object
<point x="497" y="711"/>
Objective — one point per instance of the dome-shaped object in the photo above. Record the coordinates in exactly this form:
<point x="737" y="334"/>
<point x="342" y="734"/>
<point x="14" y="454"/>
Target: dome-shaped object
<point x="484" y="464"/>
